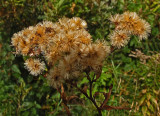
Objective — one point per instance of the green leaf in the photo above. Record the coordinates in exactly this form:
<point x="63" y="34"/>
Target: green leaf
<point x="142" y="100"/>
<point x="144" y="110"/>
<point x="154" y="101"/>
<point x="27" y="104"/>
<point x="15" y="69"/>
<point x="59" y="4"/>
<point x="85" y="80"/>
<point x="151" y="108"/>
<point x="34" y="112"/>
<point x="38" y="106"/>
<point x="25" y="113"/>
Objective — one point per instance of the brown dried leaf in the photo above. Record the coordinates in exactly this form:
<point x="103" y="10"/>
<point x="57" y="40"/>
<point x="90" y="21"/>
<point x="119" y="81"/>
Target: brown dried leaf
<point x="97" y="93"/>
<point x="71" y="97"/>
<point x="106" y="107"/>
<point x="85" y="88"/>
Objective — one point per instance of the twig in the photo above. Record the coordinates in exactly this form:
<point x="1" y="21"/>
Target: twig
<point x="107" y="96"/>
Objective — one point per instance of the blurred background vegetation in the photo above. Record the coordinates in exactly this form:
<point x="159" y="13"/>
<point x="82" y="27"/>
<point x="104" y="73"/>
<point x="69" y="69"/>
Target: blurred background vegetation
<point x="135" y="85"/>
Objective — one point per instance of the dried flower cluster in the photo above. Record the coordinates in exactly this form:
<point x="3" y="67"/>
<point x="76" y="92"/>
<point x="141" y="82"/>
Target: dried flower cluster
<point x="126" y="24"/>
<point x="66" y="46"/>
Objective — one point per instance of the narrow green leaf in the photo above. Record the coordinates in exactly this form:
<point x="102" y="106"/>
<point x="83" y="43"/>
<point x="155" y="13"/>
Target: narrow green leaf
<point x="144" y="110"/>
<point x="142" y="100"/>
<point x="15" y="69"/>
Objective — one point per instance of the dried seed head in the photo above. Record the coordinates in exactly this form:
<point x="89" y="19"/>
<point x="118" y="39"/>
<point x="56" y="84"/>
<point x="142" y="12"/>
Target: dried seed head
<point x="131" y="24"/>
<point x="119" y="38"/>
<point x="34" y="66"/>
<point x="54" y="78"/>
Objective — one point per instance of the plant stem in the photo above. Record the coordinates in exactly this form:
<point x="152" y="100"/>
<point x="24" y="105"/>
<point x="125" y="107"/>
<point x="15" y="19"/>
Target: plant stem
<point x="107" y="96"/>
<point x="64" y="102"/>
<point x="67" y="109"/>
<point x="89" y="97"/>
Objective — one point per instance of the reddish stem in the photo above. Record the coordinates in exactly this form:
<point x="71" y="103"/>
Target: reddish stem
<point x="64" y="100"/>
<point x="107" y="96"/>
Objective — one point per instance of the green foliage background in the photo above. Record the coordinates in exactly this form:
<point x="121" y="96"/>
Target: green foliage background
<point x="134" y="85"/>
